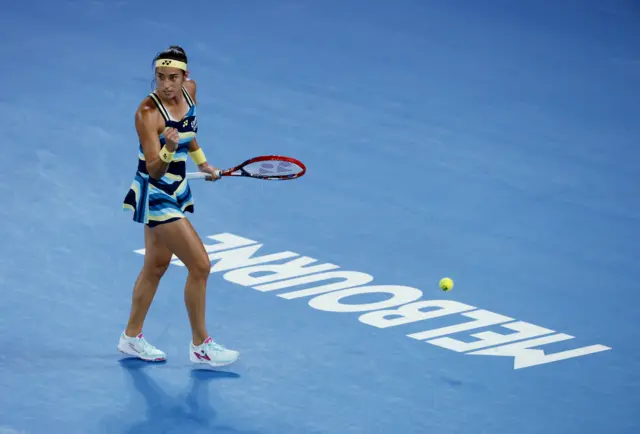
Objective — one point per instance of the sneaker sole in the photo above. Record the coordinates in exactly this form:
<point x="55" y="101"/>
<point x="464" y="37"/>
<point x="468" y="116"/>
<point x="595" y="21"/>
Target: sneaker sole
<point x="138" y="356"/>
<point x="211" y="363"/>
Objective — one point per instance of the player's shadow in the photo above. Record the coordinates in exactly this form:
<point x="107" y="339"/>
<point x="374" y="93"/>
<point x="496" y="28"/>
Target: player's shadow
<point x="164" y="413"/>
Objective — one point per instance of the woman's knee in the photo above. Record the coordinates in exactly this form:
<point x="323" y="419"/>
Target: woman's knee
<point x="180" y="238"/>
<point x="157" y="255"/>
<point x="200" y="268"/>
<point x="156" y="269"/>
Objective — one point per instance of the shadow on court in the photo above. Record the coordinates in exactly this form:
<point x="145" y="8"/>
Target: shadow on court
<point x="166" y="413"/>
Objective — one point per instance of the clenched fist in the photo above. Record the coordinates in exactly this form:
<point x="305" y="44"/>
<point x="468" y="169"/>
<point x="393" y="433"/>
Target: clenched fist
<point x="172" y="138"/>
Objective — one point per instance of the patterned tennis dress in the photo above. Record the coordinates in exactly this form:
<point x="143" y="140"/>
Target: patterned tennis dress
<point x="157" y="201"/>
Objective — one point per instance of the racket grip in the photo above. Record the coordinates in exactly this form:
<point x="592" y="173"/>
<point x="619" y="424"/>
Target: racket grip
<point x="197" y="175"/>
<point x="202" y="175"/>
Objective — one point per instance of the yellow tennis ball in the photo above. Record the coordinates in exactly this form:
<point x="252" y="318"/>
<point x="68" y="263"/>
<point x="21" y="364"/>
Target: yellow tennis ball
<point x="446" y="284"/>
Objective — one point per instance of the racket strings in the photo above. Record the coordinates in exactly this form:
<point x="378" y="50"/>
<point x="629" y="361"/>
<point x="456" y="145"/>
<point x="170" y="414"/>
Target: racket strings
<point x="272" y="168"/>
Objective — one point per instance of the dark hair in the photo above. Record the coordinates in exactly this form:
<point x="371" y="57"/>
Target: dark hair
<point x="174" y="52"/>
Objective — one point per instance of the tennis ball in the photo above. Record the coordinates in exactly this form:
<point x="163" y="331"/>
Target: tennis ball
<point x="446" y="284"/>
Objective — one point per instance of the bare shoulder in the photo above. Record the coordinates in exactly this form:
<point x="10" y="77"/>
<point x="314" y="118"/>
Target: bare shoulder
<point x="147" y="114"/>
<point x="191" y="87"/>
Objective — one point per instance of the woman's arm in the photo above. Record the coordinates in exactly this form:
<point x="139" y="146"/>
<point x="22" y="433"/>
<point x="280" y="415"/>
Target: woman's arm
<point x="195" y="152"/>
<point x="198" y="157"/>
<point x="156" y="157"/>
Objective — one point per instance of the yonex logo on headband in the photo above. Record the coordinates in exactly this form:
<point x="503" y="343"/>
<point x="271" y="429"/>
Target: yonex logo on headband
<point x="170" y="63"/>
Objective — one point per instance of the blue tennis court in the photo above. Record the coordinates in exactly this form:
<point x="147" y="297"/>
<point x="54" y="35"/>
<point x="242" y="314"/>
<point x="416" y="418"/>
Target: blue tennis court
<point x="495" y="143"/>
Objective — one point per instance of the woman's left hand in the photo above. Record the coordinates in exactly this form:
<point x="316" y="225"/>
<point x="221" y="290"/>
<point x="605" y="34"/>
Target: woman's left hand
<point x="212" y="170"/>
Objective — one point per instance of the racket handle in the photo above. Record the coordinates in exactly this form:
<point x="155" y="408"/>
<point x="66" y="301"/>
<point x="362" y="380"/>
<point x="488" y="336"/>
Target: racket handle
<point x="197" y="175"/>
<point x="201" y="175"/>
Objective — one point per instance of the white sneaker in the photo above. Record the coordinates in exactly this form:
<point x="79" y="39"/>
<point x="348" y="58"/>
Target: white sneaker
<point x="212" y="353"/>
<point x="140" y="348"/>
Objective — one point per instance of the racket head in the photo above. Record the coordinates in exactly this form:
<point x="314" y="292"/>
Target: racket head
<point x="269" y="167"/>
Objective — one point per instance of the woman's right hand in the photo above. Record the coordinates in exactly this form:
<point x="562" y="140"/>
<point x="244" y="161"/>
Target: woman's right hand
<point x="171" y="138"/>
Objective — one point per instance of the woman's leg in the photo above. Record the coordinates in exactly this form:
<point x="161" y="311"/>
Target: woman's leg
<point x="181" y="238"/>
<point x="156" y="260"/>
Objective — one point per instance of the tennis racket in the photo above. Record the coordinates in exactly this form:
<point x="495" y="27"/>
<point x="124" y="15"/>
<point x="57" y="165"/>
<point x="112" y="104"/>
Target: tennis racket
<point x="268" y="167"/>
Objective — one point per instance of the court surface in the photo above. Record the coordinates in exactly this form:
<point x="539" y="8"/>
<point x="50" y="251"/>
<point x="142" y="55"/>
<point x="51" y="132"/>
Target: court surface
<point x="494" y="142"/>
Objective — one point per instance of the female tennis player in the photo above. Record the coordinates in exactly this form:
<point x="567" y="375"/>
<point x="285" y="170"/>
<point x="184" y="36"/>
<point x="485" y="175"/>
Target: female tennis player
<point x="159" y="197"/>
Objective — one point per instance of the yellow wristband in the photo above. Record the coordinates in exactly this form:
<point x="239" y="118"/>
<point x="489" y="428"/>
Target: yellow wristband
<point x="165" y="155"/>
<point x="198" y="156"/>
